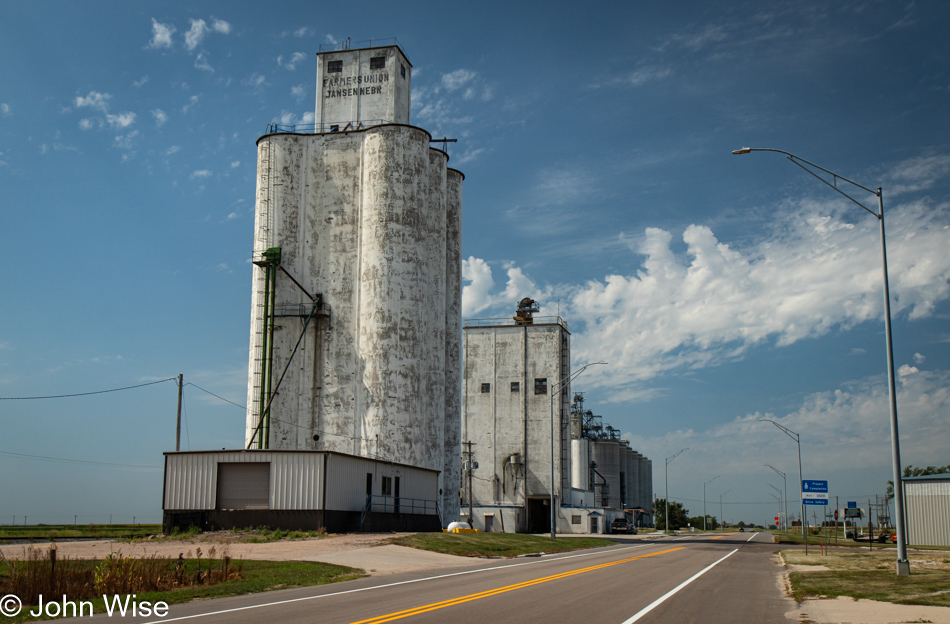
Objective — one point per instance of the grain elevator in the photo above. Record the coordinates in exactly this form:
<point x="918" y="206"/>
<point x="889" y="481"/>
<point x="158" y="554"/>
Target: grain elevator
<point x="355" y="333"/>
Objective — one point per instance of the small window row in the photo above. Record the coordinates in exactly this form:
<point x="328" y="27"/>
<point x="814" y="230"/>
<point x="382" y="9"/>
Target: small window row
<point x="540" y="386"/>
<point x="375" y="62"/>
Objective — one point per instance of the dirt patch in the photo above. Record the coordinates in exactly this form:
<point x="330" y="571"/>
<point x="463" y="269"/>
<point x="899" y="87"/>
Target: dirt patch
<point x="844" y="609"/>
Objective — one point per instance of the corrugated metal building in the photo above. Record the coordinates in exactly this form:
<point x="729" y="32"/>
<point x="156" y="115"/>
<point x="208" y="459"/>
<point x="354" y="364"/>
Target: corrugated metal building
<point x="297" y="490"/>
<point x="927" y="503"/>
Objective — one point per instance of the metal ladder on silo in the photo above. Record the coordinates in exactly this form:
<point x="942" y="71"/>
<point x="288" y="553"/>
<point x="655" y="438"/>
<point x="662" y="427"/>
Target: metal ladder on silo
<point x="262" y="242"/>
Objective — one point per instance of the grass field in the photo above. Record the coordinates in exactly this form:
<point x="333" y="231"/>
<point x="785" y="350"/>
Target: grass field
<point x="259" y="576"/>
<point x="66" y="531"/>
<point x="871" y="575"/>
<point x="495" y="544"/>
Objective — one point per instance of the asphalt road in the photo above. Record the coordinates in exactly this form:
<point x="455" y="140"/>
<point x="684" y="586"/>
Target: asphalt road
<point x="706" y="579"/>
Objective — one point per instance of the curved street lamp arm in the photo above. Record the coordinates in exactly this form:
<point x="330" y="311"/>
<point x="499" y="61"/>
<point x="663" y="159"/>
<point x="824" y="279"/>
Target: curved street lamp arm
<point x="670" y="459"/>
<point x="787" y="431"/>
<point x="711" y="480"/>
<point x="775" y="469"/>
<point x="801" y="162"/>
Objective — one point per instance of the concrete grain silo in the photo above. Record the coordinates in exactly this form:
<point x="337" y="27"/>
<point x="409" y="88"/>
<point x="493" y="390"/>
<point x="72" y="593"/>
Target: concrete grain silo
<point x="607" y="456"/>
<point x="356" y="304"/>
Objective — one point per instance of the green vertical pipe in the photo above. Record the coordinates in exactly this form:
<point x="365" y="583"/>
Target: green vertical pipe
<point x="270" y="356"/>
<point x="263" y="399"/>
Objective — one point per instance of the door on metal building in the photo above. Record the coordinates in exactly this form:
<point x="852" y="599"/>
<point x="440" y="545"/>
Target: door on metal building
<point x="243" y="486"/>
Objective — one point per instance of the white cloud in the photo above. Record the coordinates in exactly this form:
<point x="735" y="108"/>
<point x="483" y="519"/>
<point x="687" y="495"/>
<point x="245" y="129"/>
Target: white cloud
<point x="86" y="124"/>
<point x="331" y="39"/>
<point x="124" y="141"/>
<point x="160" y="116"/>
<point x="191" y="102"/>
<point x="221" y="26"/>
<point x="477" y="295"/>
<point x="298" y="92"/>
<point x="5" y="109"/>
<point x="140" y="82"/>
<point x="918" y="174"/>
<point x="122" y="120"/>
<point x="200" y="173"/>
<point x="848" y="422"/>
<point x="295" y="58"/>
<point x="196" y="33"/>
<point x="161" y="35"/>
<point x="224" y="268"/>
<point x="235" y="164"/>
<point x="174" y="149"/>
<point x="254" y="81"/>
<point x="96" y="100"/>
<point x="457" y="79"/>
<point x="815" y="273"/>
<point x="233" y="216"/>
<point x="303" y="31"/>
<point x="201" y="62"/>
<point x="919" y="358"/>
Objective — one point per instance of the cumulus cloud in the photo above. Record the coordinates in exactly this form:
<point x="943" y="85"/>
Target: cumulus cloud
<point x="5" y="109"/>
<point x="86" y="124"/>
<point x="918" y="174"/>
<point x="160" y="116"/>
<point x="291" y="64"/>
<point x="201" y="62"/>
<point x="477" y="294"/>
<point x="235" y="164"/>
<point x="457" y="79"/>
<point x="200" y="173"/>
<point x="847" y="422"/>
<point x="197" y="32"/>
<point x="122" y="120"/>
<point x="96" y="100"/>
<point x="254" y="81"/>
<point x="161" y="35"/>
<point x="174" y="149"/>
<point x="221" y="26"/>
<point x="140" y="82"/>
<point x="817" y="272"/>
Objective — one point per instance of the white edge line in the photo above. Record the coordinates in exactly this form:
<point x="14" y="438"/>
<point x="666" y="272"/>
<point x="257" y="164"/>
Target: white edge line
<point x="673" y="591"/>
<point x="362" y="589"/>
<point x="752" y="537"/>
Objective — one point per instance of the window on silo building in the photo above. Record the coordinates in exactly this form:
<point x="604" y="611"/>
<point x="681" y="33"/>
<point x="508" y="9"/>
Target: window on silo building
<point x="334" y="67"/>
<point x="377" y="62"/>
<point x="515" y="386"/>
<point x="541" y="385"/>
<point x="486" y="387"/>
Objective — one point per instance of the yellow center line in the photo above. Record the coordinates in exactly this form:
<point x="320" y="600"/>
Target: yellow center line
<point x="721" y="536"/>
<point x="389" y="617"/>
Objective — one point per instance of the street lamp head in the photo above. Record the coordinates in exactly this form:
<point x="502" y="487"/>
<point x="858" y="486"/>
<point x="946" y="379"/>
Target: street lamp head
<point x="744" y="150"/>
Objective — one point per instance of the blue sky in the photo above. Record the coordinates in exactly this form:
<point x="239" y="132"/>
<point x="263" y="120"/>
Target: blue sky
<point x="596" y="146"/>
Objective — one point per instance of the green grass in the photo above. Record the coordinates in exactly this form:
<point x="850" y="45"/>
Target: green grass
<point x="794" y="536"/>
<point x="495" y="544"/>
<point x="872" y="576"/>
<point x="260" y="576"/>
<point x="64" y="531"/>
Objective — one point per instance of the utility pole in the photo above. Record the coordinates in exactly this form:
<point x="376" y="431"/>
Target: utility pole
<point x="469" y="466"/>
<point x="178" y="427"/>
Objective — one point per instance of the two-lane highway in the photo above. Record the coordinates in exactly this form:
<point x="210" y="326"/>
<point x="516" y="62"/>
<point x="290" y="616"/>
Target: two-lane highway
<point x="728" y="578"/>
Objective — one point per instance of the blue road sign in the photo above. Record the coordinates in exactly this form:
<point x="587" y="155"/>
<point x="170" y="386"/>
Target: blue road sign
<point x="852" y="505"/>
<point x="809" y="485"/>
<point x="815" y="501"/>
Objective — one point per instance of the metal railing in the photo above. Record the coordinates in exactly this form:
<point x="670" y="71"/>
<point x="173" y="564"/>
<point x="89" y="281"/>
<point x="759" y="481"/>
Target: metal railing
<point x="319" y="128"/>
<point x="379" y="503"/>
<point x="537" y="320"/>
<point x="353" y="45"/>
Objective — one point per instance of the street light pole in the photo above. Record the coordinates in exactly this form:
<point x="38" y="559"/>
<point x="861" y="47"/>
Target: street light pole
<point x="903" y="566"/>
<point x="784" y="492"/>
<point x="779" y="500"/>
<point x="556" y="391"/>
<point x="666" y="479"/>
<point x="704" y="500"/>
<point x="722" y="520"/>
<point x="798" y="441"/>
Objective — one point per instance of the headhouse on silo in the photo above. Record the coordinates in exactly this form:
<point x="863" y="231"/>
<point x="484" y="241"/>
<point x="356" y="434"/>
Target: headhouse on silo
<point x="355" y="337"/>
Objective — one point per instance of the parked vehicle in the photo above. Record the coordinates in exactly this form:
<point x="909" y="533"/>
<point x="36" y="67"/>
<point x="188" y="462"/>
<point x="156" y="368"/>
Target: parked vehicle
<point x="620" y="525"/>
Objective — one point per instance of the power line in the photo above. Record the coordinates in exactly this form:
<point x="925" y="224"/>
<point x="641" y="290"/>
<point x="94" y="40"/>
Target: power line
<point x="243" y="407"/>
<point x="74" y="461"/>
<point x="63" y="396"/>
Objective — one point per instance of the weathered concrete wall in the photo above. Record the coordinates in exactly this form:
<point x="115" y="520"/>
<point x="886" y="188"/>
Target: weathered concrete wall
<point x="452" y="426"/>
<point x="632" y="495"/>
<point x="607" y="455"/>
<point x="361" y="93"/>
<point x="502" y="422"/>
<point x="365" y="218"/>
